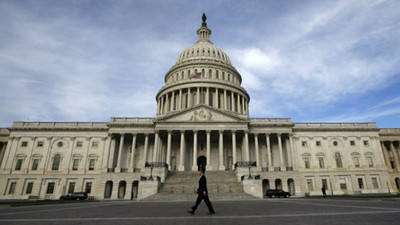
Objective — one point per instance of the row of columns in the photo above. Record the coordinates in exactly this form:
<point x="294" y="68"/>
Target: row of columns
<point x="387" y="157"/>
<point x="166" y="103"/>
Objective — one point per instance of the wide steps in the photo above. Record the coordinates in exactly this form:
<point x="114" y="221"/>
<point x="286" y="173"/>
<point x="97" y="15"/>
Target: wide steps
<point x="181" y="186"/>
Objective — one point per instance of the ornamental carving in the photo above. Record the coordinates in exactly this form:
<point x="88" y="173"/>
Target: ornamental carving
<point x="201" y="115"/>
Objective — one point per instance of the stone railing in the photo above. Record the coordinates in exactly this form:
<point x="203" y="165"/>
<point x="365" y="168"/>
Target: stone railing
<point x="131" y="119"/>
<point x="245" y="164"/>
<point x="389" y="131"/>
<point x="156" y="164"/>
<point x="60" y="124"/>
<point x="334" y="125"/>
<point x="270" y="120"/>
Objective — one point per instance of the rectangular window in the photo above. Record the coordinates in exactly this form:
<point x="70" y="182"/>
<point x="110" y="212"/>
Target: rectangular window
<point x="304" y="143"/>
<point x="24" y="144"/>
<point x="75" y="164"/>
<point x="88" y="187"/>
<point x="342" y="183"/>
<point x="40" y="144"/>
<point x="13" y="185"/>
<point x="352" y="143"/>
<point x="366" y="143"/>
<point x="29" y="188"/>
<point x="375" y="183"/>
<point x="50" y="188"/>
<point x="360" y="183"/>
<point x="370" y="161"/>
<point x="71" y="187"/>
<point x="19" y="164"/>
<point x="325" y="184"/>
<point x="79" y="144"/>
<point x="356" y="161"/>
<point x="35" y="164"/>
<point x="321" y="162"/>
<point x="318" y="143"/>
<point x="310" y="185"/>
<point x="95" y="144"/>
<point x="307" y="163"/>
<point x="91" y="164"/>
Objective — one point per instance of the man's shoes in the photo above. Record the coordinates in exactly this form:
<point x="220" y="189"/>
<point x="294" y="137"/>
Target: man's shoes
<point x="191" y="212"/>
<point x="211" y="213"/>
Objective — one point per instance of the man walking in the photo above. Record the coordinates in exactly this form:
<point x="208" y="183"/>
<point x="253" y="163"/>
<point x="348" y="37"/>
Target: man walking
<point x="202" y="194"/>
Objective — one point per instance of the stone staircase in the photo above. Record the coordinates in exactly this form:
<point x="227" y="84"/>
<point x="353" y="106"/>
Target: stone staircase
<point x="181" y="186"/>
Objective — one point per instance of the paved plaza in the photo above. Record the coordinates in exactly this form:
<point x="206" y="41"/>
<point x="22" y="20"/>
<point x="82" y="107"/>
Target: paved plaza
<point x="269" y="211"/>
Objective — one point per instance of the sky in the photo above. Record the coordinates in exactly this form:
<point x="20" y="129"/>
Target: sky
<point x="311" y="61"/>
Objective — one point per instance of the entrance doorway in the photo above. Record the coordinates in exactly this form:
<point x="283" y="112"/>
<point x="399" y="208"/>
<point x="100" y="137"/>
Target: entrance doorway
<point x="201" y="163"/>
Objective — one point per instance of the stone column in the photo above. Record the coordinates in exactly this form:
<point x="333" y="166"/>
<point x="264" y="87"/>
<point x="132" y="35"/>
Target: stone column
<point x="71" y="149"/>
<point x="268" y="143"/>
<point x="48" y="154"/>
<point x="181" y="166"/>
<point x="290" y="152"/>
<point x="216" y="98"/>
<point x="121" y="148"/>
<point x="207" y="97"/>
<point x="169" y="150"/>
<point x="106" y="153"/>
<point x="238" y="103"/>
<point x="395" y="156"/>
<point x="243" y="111"/>
<point x="386" y="156"/>
<point x="232" y="102"/>
<point x="173" y="101"/>
<point x="162" y="111"/>
<point x="3" y="151"/>
<point x="280" y="152"/>
<point x="198" y="96"/>
<point x="233" y="149"/>
<point x="221" y="150"/>
<point x="189" y="99"/>
<point x="246" y="143"/>
<point x="180" y="99"/>
<point x="194" y="166"/>
<point x="257" y="151"/>
<point x="30" y="156"/>
<point x="225" y="101"/>
<point x="155" y="152"/>
<point x="166" y="103"/>
<point x="208" y="150"/>
<point x="133" y="149"/>
<point x="146" y="145"/>
<point x="87" y="154"/>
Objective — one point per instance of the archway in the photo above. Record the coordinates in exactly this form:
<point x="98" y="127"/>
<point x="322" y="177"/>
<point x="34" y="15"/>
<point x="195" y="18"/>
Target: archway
<point x="108" y="189"/>
<point x="201" y="163"/>
<point x="135" y="188"/>
<point x="121" y="189"/>
<point x="290" y="183"/>
<point x="278" y="184"/>
<point x="265" y="185"/>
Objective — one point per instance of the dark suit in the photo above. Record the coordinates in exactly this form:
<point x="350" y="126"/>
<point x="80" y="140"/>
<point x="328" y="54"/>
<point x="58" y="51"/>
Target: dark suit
<point x="202" y="194"/>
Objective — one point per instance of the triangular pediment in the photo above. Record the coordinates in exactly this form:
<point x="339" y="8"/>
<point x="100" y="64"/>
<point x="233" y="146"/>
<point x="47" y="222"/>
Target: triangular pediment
<point x="201" y="113"/>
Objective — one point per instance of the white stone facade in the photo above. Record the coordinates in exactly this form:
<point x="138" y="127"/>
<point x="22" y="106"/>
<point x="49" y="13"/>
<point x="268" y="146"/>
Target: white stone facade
<point x="201" y="121"/>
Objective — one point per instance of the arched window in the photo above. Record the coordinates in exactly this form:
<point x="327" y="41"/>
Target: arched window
<point x="56" y="162"/>
<point x="338" y="159"/>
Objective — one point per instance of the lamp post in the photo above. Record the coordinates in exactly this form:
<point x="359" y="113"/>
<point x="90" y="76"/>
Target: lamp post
<point x="250" y="172"/>
<point x="151" y="172"/>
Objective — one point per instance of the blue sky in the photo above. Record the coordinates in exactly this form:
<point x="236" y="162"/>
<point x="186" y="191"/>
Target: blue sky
<point x="312" y="61"/>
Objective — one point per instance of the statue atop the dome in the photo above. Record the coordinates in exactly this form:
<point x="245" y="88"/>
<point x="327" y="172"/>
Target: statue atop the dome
<point x="204" y="18"/>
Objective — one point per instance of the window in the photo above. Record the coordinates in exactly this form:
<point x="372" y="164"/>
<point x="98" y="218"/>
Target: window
<point x="307" y="163"/>
<point x="71" y="187"/>
<point x="24" y="144"/>
<point x="79" y="144"/>
<point x="13" y="185"/>
<point x="88" y="187"/>
<point x="310" y="185"/>
<point x="318" y="143"/>
<point x="56" y="161"/>
<point x="356" y="161"/>
<point x="40" y="144"/>
<point x="60" y="144"/>
<point x="75" y="164"/>
<point x="304" y="143"/>
<point x="29" y="188"/>
<point x="325" y="184"/>
<point x="338" y="159"/>
<point x="91" y="164"/>
<point x="370" y="161"/>
<point x="95" y="144"/>
<point x="35" y="164"/>
<point x="321" y="162"/>
<point x="375" y="183"/>
<point x="335" y="143"/>
<point x="352" y="143"/>
<point x="360" y="183"/>
<point x="50" y="188"/>
<point x="19" y="164"/>
<point x="343" y="185"/>
<point x="366" y="143"/>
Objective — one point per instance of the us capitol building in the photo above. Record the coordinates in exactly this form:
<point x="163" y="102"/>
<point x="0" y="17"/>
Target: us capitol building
<point x="202" y="121"/>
